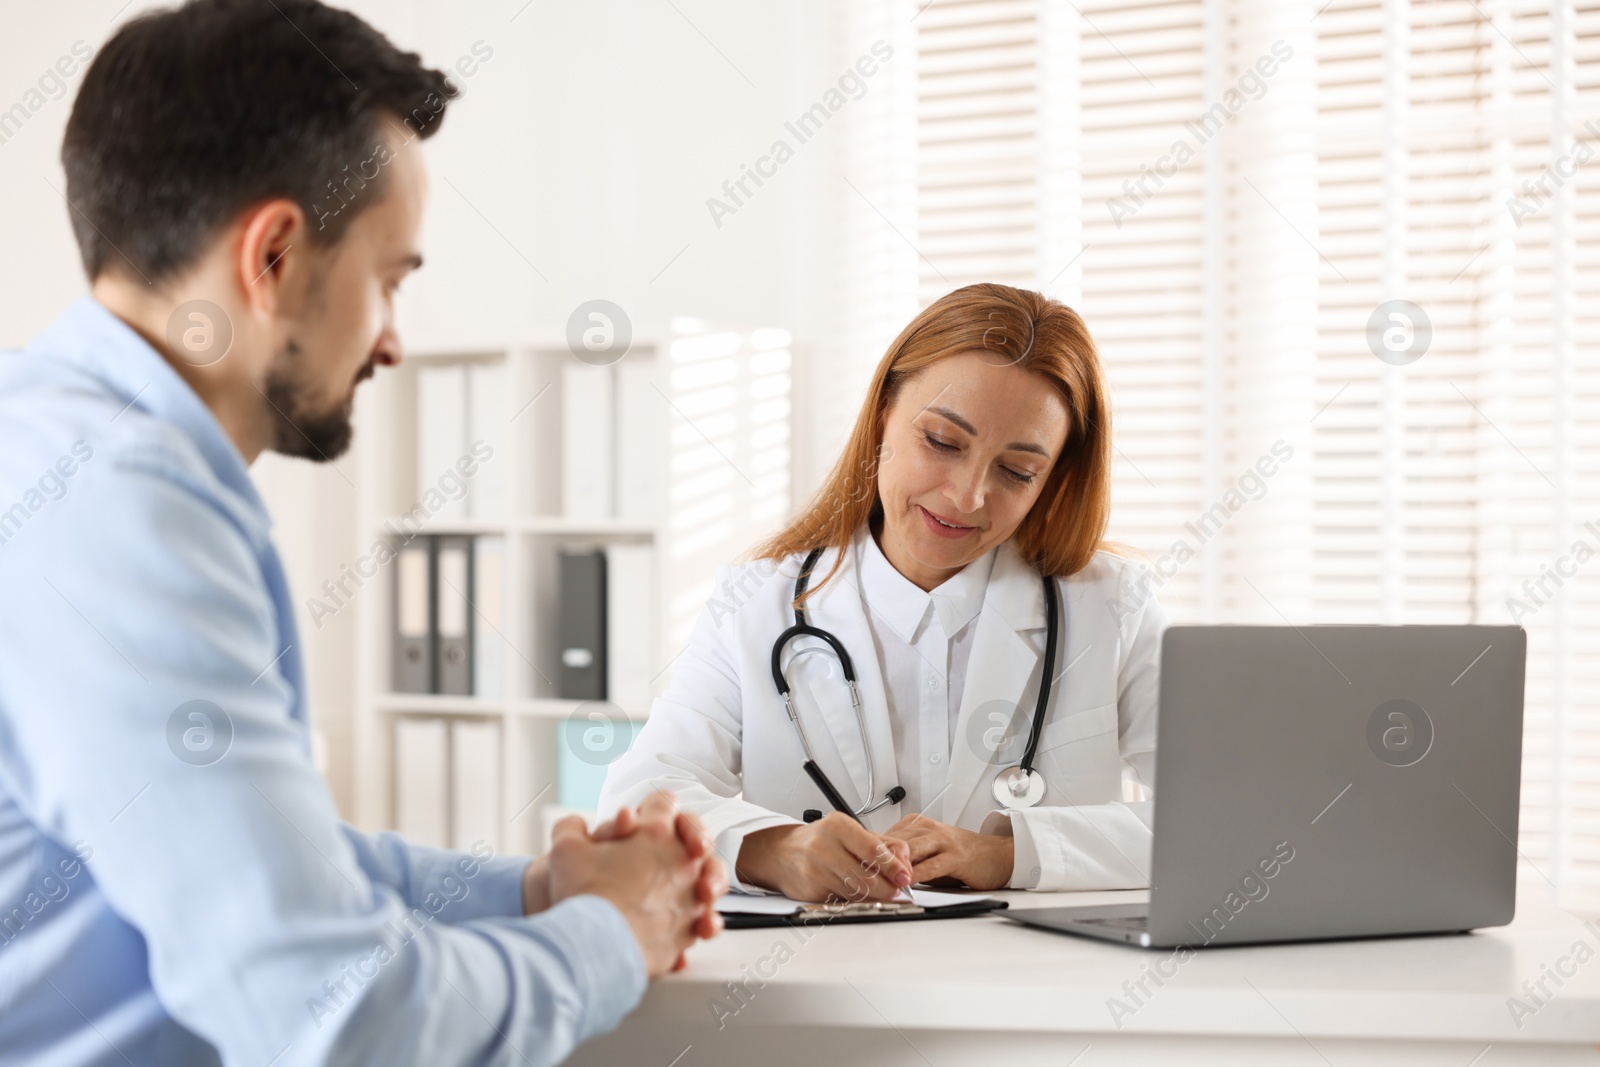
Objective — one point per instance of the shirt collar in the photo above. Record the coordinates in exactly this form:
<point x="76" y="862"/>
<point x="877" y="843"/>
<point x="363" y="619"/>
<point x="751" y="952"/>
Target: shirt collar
<point x="91" y="338"/>
<point x="904" y="606"/>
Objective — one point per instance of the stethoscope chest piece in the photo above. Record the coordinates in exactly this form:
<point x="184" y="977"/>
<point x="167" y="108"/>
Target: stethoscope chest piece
<point x="1018" y="787"/>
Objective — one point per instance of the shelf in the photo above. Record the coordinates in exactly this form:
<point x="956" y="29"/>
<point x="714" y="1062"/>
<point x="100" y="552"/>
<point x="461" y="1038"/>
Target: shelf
<point x="701" y="517"/>
<point x="533" y="708"/>
<point x="486" y="354"/>
<point x="560" y="524"/>
<point x="535" y="524"/>
<point x="466" y="527"/>
<point x="547" y="708"/>
<point x="431" y="704"/>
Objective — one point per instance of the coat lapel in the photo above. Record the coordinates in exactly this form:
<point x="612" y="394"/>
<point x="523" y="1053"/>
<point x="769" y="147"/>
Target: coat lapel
<point x="997" y="698"/>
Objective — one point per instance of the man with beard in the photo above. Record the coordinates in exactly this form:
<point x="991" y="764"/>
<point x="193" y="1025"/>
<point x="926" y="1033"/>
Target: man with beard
<point x="175" y="884"/>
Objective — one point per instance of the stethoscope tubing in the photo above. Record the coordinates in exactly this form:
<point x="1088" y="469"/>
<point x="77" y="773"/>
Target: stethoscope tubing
<point x="802" y="628"/>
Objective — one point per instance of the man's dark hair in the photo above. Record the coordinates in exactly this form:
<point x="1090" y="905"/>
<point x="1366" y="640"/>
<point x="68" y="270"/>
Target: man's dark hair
<point x="188" y="116"/>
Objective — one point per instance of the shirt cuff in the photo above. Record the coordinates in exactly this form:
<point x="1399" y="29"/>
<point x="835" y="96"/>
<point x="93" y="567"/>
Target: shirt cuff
<point x="607" y="965"/>
<point x="497" y="889"/>
<point x="1026" y="870"/>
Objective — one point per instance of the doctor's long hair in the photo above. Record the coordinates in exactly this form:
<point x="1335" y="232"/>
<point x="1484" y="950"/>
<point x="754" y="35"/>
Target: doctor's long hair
<point x="1067" y="523"/>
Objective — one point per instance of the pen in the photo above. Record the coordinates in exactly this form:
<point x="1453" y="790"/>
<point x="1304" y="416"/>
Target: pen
<point x="839" y="804"/>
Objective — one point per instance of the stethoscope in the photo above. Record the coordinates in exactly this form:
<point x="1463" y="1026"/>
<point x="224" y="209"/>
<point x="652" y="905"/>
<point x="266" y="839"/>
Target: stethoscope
<point x="1014" y="787"/>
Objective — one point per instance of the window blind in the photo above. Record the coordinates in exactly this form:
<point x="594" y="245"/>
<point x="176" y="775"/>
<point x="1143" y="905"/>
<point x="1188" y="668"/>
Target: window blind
<point x="1229" y="263"/>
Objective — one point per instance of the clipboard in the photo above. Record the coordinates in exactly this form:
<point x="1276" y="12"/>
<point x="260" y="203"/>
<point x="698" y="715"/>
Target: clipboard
<point x="864" y="911"/>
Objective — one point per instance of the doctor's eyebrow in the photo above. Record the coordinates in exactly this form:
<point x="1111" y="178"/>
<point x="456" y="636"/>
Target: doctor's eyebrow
<point x="1015" y="446"/>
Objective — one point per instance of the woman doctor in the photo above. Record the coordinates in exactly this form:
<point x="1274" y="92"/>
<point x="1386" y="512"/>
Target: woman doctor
<point x="979" y="465"/>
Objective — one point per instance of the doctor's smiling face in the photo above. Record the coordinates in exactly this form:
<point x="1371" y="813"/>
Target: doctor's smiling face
<point x="968" y="443"/>
<point x="986" y="421"/>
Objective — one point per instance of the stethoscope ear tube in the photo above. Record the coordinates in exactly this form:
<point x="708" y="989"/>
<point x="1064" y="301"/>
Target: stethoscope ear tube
<point x="1052" y="615"/>
<point x="801" y="629"/>
<point x="1022" y="786"/>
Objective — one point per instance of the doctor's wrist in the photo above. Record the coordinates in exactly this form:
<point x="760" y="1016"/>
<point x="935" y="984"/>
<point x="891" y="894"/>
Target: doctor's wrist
<point x="760" y="855"/>
<point x="1000" y="861"/>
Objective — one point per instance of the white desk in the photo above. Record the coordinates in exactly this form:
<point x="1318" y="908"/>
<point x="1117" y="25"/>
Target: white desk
<point x="964" y="991"/>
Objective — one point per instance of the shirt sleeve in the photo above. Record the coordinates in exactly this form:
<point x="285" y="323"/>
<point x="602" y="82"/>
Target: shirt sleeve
<point x="1105" y="846"/>
<point x="388" y="859"/>
<point x="272" y="931"/>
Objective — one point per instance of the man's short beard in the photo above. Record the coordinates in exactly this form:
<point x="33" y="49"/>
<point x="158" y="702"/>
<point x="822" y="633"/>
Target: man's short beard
<point x="320" y="436"/>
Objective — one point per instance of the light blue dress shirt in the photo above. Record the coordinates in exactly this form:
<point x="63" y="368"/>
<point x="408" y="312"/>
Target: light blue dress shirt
<point x="175" y="885"/>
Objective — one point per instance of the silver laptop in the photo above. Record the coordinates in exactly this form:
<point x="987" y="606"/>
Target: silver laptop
<point x="1327" y="781"/>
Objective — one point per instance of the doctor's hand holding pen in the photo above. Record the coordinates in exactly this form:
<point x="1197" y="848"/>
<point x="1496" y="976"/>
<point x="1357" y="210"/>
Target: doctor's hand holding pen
<point x="656" y="866"/>
<point x="834" y="857"/>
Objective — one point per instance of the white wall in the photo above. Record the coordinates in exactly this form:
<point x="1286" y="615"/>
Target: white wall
<point x="585" y="146"/>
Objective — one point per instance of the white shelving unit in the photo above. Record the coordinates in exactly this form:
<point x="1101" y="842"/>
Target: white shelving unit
<point x="722" y="477"/>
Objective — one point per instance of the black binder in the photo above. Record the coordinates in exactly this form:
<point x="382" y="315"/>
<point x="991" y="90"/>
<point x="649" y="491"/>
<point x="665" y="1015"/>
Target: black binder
<point x="828" y="914"/>
<point x="581" y="628"/>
